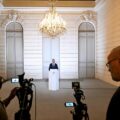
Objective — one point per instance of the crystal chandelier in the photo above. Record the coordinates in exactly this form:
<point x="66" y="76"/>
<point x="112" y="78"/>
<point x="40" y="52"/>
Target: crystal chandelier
<point x="53" y="24"/>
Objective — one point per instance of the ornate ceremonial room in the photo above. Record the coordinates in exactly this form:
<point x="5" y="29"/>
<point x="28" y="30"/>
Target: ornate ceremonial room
<point x="76" y="36"/>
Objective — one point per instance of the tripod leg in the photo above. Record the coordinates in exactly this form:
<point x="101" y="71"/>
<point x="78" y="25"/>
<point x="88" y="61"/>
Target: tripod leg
<point x="22" y="115"/>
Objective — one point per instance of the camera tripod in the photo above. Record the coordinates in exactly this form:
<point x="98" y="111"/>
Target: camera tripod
<point x="25" y="97"/>
<point x="80" y="112"/>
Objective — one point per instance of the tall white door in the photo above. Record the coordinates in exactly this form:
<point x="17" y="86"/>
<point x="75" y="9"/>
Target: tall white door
<point x="86" y="50"/>
<point x="14" y="49"/>
<point x="51" y="49"/>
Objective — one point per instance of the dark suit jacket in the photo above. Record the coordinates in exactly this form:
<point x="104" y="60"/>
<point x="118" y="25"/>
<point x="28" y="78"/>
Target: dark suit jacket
<point x="113" y="112"/>
<point x="51" y="66"/>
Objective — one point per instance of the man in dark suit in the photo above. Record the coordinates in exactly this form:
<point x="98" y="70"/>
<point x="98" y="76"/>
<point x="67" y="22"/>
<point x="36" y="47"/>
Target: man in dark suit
<point x="113" y="64"/>
<point x="53" y="65"/>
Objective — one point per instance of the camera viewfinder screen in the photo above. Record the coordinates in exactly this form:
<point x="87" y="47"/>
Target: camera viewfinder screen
<point x="15" y="80"/>
<point x="69" y="104"/>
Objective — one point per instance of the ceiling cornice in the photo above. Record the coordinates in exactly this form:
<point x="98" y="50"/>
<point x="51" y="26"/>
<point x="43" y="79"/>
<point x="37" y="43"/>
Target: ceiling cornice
<point x="38" y="3"/>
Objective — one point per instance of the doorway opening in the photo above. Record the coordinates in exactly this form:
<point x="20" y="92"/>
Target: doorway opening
<point x="86" y="52"/>
<point x="14" y="49"/>
<point x="51" y="49"/>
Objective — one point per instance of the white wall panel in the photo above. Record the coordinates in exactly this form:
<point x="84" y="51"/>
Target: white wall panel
<point x="32" y="47"/>
<point x="2" y="48"/>
<point x="69" y="54"/>
<point x="108" y="36"/>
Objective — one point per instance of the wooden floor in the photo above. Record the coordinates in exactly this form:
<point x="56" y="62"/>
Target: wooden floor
<point x="50" y="104"/>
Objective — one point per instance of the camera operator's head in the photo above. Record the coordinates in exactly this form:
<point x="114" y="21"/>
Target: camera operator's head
<point x="113" y="63"/>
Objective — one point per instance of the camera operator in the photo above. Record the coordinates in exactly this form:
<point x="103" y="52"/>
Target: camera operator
<point x="113" y="64"/>
<point x="5" y="102"/>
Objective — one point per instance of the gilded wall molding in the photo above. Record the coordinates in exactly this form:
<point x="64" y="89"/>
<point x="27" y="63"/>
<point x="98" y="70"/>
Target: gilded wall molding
<point x="11" y="16"/>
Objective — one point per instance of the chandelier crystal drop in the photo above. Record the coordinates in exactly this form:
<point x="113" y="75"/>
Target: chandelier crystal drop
<point x="53" y="24"/>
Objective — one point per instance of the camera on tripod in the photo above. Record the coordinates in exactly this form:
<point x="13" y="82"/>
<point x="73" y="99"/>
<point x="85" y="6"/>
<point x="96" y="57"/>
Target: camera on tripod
<point x="80" y="108"/>
<point x="25" y="97"/>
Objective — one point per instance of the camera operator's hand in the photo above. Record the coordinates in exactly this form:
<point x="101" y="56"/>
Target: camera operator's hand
<point x="11" y="96"/>
<point x="13" y="92"/>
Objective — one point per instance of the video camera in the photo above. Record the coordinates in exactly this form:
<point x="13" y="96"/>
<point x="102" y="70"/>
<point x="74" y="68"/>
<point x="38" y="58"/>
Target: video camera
<point x="23" y="82"/>
<point x="75" y="85"/>
<point x="80" y="109"/>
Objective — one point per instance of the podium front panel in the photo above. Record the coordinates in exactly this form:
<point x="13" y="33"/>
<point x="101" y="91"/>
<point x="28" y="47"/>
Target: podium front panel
<point x="53" y="79"/>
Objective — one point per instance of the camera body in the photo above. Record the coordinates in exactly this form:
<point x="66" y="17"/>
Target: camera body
<point x="24" y="82"/>
<point x="75" y="85"/>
